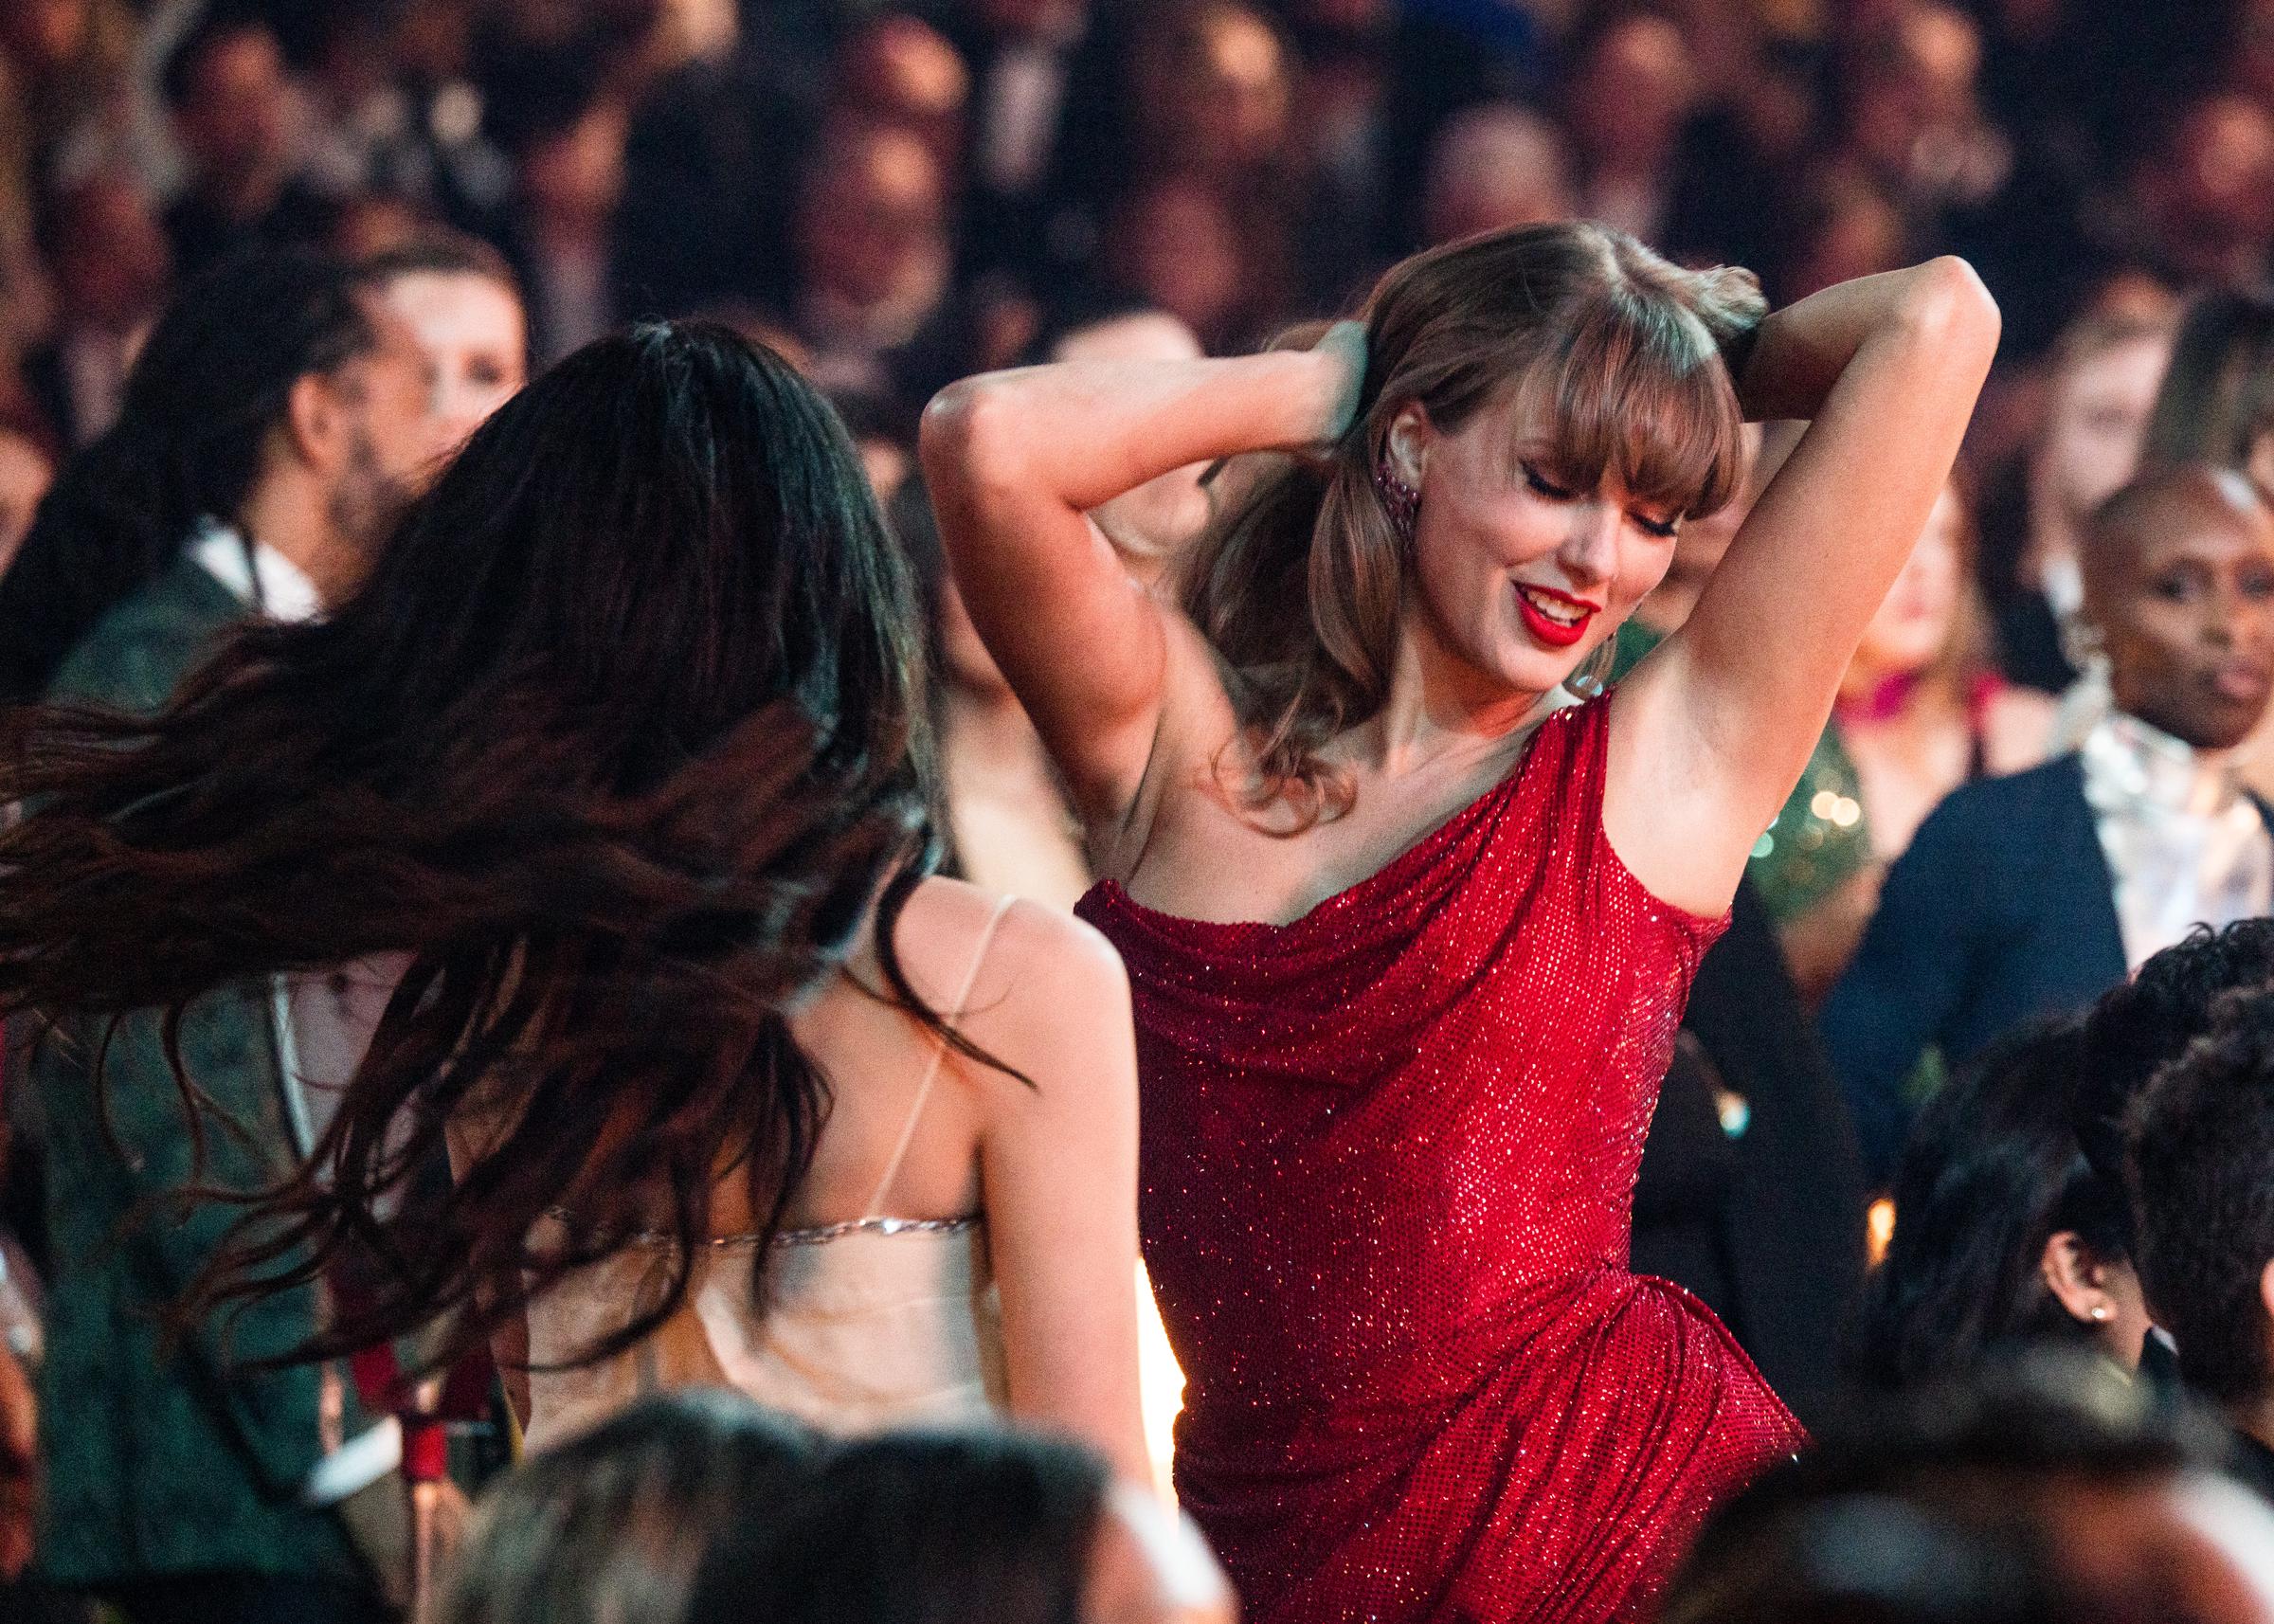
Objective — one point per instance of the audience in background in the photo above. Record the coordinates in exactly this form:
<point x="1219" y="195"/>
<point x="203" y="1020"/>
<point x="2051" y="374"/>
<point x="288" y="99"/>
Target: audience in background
<point x="112" y="268"/>
<point x="1920" y="711"/>
<point x="2035" y="893"/>
<point x="231" y="95"/>
<point x="2099" y="387"/>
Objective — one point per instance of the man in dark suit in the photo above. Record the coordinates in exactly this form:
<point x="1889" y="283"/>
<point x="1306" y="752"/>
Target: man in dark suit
<point x="179" y="1486"/>
<point x="2033" y="894"/>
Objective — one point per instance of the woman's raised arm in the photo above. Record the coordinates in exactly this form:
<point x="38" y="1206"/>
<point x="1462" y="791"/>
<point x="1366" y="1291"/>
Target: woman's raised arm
<point x="1721" y="719"/>
<point x="1015" y="459"/>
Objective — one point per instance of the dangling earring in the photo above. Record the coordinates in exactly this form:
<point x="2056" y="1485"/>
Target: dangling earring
<point x="1592" y="675"/>
<point x="1398" y="499"/>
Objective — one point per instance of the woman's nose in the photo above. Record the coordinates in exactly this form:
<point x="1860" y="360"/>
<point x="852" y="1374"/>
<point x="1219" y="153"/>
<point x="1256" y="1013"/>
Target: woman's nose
<point x="1590" y="552"/>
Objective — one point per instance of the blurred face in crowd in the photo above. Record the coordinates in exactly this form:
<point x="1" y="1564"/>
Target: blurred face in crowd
<point x="45" y="34"/>
<point x="236" y="120"/>
<point x="874" y="227"/>
<point x="1914" y="620"/>
<point x="1148" y="1566"/>
<point x="1916" y="78"/>
<point x="900" y="70"/>
<point x="1162" y="513"/>
<point x="112" y="260"/>
<point x="1175" y="244"/>
<point x="1630" y="97"/>
<point x="575" y="176"/>
<point x="23" y="480"/>
<point x="1523" y="570"/>
<point x="473" y="331"/>
<point x="2209" y="196"/>
<point x="1494" y="167"/>
<point x="2095" y="415"/>
<point x="1859" y="233"/>
<point x="2182" y="594"/>
<point x="1214" y="88"/>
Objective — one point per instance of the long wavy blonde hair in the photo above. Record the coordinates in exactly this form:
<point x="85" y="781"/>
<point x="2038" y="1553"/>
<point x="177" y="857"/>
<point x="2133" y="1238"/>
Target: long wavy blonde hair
<point x="1624" y="352"/>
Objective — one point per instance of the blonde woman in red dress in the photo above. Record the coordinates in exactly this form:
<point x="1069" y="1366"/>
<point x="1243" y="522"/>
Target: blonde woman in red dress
<point x="1408" y="939"/>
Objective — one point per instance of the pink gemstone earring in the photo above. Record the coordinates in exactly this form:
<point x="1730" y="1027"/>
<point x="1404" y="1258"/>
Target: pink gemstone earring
<point x="1400" y="499"/>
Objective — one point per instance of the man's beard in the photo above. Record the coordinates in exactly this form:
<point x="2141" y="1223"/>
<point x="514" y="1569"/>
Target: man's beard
<point x="366" y="503"/>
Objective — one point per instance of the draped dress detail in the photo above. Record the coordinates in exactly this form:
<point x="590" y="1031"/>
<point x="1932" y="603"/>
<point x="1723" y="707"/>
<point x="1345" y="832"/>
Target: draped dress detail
<point x="1388" y="1157"/>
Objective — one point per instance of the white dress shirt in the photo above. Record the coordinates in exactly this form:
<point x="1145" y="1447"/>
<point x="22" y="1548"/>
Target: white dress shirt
<point x="2185" y="845"/>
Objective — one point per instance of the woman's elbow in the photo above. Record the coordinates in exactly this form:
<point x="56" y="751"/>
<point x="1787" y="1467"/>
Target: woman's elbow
<point x="968" y="436"/>
<point x="1949" y="309"/>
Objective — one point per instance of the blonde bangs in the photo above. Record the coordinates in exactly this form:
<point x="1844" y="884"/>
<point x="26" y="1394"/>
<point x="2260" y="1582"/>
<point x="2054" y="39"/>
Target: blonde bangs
<point x="1635" y="388"/>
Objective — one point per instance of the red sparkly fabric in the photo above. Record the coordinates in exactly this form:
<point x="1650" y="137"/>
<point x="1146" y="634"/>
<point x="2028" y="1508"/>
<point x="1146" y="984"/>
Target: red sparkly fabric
<point x="1388" y="1157"/>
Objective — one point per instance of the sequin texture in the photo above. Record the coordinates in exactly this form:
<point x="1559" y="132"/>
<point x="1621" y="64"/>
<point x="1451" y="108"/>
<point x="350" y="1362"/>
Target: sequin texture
<point x="1389" y="1161"/>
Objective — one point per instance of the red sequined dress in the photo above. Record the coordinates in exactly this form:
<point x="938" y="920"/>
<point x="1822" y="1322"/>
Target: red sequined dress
<point x="1388" y="1153"/>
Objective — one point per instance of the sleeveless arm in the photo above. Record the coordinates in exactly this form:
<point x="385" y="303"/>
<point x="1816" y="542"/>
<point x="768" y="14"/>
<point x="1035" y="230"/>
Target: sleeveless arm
<point x="1015" y="459"/>
<point x="1721" y="717"/>
<point x="1058" y="1179"/>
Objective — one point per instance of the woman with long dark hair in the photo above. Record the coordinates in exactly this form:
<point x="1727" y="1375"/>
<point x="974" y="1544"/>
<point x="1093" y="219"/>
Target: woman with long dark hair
<point x="621" y="753"/>
<point x="2005" y="1236"/>
<point x="1408" y="942"/>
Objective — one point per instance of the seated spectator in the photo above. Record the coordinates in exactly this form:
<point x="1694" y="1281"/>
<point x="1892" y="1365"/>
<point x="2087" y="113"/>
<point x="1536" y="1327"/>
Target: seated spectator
<point x="2032" y="894"/>
<point x="2201" y="1144"/>
<point x="2043" y="1494"/>
<point x="112" y="267"/>
<point x="2217" y="405"/>
<point x="2099" y="387"/>
<point x="226" y="85"/>
<point x="566" y="137"/>
<point x="1494" y="166"/>
<point x="612" y="1526"/>
<point x="461" y="300"/>
<point x="1919" y="713"/>
<point x="873" y="257"/>
<point x="2006" y="1237"/>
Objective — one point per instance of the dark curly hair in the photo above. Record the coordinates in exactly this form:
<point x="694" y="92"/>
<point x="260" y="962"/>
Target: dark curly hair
<point x="2200" y="1148"/>
<point x="620" y="744"/>
<point x="1990" y="1173"/>
<point x="2144" y="1023"/>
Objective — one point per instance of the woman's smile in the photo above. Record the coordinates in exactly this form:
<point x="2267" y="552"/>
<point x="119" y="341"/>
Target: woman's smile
<point x="1557" y="619"/>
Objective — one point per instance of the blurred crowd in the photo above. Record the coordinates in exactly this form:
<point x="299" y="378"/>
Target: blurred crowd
<point x="897" y="196"/>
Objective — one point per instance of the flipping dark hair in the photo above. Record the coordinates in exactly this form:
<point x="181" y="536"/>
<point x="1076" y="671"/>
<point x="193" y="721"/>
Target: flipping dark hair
<point x="1992" y="1172"/>
<point x="214" y="378"/>
<point x="978" y="1527"/>
<point x="619" y="744"/>
<point x="2201" y="1144"/>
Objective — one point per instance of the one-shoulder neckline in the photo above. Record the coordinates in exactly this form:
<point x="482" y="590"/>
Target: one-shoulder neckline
<point x="1424" y="845"/>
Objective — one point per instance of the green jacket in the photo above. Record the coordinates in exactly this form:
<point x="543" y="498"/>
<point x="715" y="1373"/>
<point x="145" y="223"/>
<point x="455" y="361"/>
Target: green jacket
<point x="161" y="1461"/>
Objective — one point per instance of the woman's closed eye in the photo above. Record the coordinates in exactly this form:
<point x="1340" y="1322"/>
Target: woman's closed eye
<point x="1541" y="485"/>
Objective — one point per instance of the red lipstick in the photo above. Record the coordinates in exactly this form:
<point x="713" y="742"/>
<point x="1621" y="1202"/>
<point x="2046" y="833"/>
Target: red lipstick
<point x="1557" y="619"/>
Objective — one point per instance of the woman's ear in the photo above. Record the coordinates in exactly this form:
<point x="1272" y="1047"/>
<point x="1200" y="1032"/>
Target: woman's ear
<point x="1408" y="442"/>
<point x="2077" y="1279"/>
